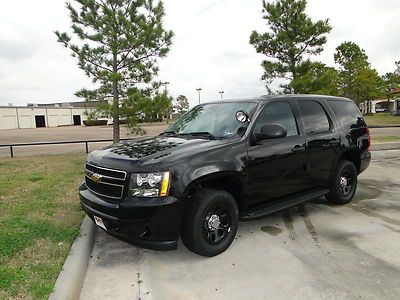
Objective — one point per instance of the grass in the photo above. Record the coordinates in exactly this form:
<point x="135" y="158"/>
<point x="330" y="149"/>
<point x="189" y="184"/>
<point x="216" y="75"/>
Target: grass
<point x="39" y="219"/>
<point x="382" y="119"/>
<point x="386" y="138"/>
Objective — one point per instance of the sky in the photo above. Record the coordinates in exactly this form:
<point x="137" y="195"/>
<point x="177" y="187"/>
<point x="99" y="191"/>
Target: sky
<point x="210" y="50"/>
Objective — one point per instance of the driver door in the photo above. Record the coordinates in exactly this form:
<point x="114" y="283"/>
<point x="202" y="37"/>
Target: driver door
<point x="276" y="167"/>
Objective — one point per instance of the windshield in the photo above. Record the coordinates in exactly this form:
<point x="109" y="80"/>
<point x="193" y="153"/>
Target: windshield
<point x="218" y="120"/>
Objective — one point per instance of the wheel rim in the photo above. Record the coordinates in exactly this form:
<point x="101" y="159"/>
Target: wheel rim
<point x="346" y="182"/>
<point x="217" y="224"/>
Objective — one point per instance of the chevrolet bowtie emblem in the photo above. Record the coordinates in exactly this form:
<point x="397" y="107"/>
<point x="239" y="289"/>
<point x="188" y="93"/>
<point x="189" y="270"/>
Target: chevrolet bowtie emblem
<point x="96" y="177"/>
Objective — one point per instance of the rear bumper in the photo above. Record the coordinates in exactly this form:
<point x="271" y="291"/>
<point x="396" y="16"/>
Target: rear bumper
<point x="365" y="161"/>
<point x="148" y="223"/>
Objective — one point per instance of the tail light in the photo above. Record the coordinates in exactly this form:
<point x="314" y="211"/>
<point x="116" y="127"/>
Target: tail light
<point x="369" y="139"/>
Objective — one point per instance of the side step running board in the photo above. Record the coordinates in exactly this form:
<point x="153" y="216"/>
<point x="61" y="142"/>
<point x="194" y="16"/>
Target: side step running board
<point x="269" y="208"/>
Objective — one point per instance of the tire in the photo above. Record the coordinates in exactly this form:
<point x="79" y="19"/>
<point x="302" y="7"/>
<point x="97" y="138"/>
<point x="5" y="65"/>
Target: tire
<point x="210" y="222"/>
<point x="342" y="190"/>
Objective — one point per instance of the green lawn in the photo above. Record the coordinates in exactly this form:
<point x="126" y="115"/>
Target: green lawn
<point x="382" y="119"/>
<point x="39" y="219"/>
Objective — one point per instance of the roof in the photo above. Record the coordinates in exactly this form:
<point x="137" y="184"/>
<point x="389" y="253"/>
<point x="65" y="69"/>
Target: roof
<point x="395" y="91"/>
<point x="283" y="96"/>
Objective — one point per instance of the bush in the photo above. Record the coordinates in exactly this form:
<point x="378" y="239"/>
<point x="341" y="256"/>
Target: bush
<point x="95" y="122"/>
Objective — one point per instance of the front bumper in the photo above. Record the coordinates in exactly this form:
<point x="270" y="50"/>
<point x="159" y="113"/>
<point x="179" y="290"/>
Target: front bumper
<point x="152" y="223"/>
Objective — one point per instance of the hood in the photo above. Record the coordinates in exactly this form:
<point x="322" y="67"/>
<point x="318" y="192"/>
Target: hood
<point x="143" y="154"/>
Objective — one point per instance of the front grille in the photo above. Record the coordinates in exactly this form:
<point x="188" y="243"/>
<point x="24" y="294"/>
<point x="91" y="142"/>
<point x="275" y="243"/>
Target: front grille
<point x="105" y="182"/>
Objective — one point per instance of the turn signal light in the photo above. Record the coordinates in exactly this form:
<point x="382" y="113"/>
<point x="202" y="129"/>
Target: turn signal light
<point x="369" y="139"/>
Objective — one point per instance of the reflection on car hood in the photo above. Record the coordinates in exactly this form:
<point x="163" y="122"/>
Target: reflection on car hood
<point x="145" y="152"/>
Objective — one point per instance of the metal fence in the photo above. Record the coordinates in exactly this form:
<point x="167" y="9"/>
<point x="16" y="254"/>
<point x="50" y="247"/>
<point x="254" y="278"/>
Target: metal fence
<point x="12" y="146"/>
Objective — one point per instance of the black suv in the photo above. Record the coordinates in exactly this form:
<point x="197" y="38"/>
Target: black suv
<point x="224" y="161"/>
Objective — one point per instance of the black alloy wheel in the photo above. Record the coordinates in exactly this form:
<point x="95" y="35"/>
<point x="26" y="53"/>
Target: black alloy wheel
<point x="210" y="222"/>
<point x="217" y="224"/>
<point x="343" y="185"/>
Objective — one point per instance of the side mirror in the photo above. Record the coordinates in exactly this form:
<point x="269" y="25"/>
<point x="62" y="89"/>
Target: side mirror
<point x="272" y="131"/>
<point x="242" y="116"/>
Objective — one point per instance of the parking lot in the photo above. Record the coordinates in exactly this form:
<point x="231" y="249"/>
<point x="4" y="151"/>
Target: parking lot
<point x="313" y="251"/>
<point x="77" y="133"/>
<point x="67" y="133"/>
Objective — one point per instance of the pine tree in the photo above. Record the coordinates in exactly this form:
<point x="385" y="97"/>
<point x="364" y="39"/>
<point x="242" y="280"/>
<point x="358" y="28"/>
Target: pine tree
<point x="117" y="44"/>
<point x="292" y="35"/>
<point x="181" y="104"/>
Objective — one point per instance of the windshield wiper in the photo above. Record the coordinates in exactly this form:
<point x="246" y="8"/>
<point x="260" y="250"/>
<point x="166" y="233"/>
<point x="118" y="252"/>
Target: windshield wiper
<point x="170" y="132"/>
<point x="201" y="134"/>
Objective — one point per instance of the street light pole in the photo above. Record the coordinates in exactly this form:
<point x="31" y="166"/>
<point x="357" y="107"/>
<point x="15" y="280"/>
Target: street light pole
<point x="198" y="90"/>
<point x="221" y="93"/>
<point x="165" y="86"/>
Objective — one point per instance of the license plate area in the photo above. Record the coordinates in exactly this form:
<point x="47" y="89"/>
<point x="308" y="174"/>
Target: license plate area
<point x="99" y="222"/>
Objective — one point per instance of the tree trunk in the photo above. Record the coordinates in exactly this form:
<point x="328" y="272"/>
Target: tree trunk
<point x="294" y="75"/>
<point x="116" y="129"/>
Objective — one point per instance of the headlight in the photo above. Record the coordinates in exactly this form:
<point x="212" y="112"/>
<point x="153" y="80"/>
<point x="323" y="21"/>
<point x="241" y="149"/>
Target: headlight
<point x="149" y="184"/>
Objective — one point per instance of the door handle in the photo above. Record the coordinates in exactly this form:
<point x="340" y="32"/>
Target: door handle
<point x="298" y="149"/>
<point x="331" y="144"/>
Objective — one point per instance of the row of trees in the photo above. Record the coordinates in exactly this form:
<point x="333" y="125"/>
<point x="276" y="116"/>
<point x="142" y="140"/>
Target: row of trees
<point x="118" y="44"/>
<point x="139" y="108"/>
<point x="291" y="42"/>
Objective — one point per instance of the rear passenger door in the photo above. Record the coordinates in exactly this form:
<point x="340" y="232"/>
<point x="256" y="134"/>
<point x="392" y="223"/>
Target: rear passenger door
<point x="322" y="140"/>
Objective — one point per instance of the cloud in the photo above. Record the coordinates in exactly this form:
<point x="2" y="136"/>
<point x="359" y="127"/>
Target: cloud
<point x="211" y="47"/>
<point x="15" y="51"/>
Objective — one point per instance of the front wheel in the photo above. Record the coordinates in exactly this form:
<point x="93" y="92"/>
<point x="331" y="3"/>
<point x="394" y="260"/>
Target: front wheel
<point x="344" y="183"/>
<point x="210" y="223"/>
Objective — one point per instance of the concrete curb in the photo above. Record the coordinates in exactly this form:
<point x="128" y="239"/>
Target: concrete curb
<point x="69" y="282"/>
<point x="385" y="146"/>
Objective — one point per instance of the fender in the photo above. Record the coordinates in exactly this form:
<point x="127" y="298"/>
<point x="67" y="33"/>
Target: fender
<point x="213" y="163"/>
<point x="237" y="176"/>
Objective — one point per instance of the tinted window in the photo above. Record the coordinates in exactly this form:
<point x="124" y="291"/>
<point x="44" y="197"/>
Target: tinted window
<point x="219" y="119"/>
<point x="314" y="117"/>
<point x="278" y="113"/>
<point x="347" y="113"/>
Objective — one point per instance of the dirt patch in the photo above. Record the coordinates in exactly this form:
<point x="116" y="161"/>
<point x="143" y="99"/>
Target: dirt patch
<point x="271" y="230"/>
<point x="288" y="220"/>
<point x="366" y="211"/>
<point x="309" y="225"/>
<point x="367" y="189"/>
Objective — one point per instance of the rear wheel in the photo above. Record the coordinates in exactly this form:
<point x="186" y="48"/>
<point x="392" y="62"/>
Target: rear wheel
<point x="210" y="222"/>
<point x="344" y="183"/>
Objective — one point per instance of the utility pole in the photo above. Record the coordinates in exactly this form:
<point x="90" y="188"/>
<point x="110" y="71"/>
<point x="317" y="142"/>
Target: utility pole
<point x="165" y="86"/>
<point x="221" y="93"/>
<point x="198" y="90"/>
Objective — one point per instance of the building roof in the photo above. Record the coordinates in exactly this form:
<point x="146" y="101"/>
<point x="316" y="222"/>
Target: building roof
<point x="42" y="107"/>
<point x="395" y="91"/>
<point x="69" y="104"/>
<point x="79" y="104"/>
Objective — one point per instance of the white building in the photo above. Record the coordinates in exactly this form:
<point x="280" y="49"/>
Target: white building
<point x="15" y="117"/>
<point x="384" y="105"/>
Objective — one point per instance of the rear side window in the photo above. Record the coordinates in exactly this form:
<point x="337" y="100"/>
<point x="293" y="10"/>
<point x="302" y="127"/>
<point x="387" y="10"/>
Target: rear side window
<point x="347" y="113"/>
<point x="314" y="117"/>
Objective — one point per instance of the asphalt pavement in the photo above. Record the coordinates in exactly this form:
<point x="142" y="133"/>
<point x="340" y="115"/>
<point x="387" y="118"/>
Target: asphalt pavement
<point x="312" y="251"/>
<point x="66" y="133"/>
<point x="76" y="133"/>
